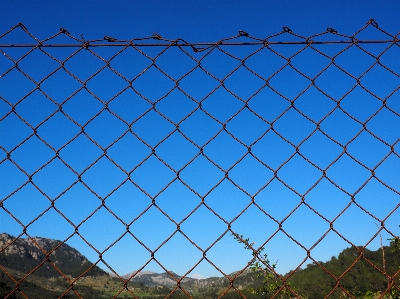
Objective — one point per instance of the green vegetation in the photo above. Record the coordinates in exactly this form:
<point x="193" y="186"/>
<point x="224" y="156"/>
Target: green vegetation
<point x="272" y="284"/>
<point x="361" y="274"/>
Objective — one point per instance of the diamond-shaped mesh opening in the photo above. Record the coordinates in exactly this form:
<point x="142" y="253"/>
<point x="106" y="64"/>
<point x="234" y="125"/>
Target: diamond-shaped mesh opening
<point x="84" y="64"/>
<point x="222" y="253"/>
<point x="365" y="226"/>
<point x="130" y="63"/>
<point x="318" y="143"/>
<point x="58" y="130"/>
<point x="348" y="174"/>
<point x="314" y="104"/>
<point x="14" y="86"/>
<point x="211" y="227"/>
<point x="268" y="104"/>
<point x="153" y="85"/>
<point x="296" y="255"/>
<point x="201" y="175"/>
<point x="322" y="251"/>
<point x="176" y="106"/>
<point x="299" y="174"/>
<point x="387" y="169"/>
<point x="254" y="219"/>
<point x="328" y="200"/>
<point x="14" y="180"/>
<point x="181" y="249"/>
<point x="345" y="128"/>
<point x="81" y="153"/>
<point x="152" y="236"/>
<point x="105" y="129"/>
<point x="193" y="128"/>
<point x="156" y="168"/>
<point x="247" y="127"/>
<point x="152" y="176"/>
<point x="320" y="62"/>
<point x="54" y="178"/>
<point x="227" y="201"/>
<point x="128" y="152"/>
<point x="106" y="84"/>
<point x="385" y="125"/>
<point x="216" y="149"/>
<point x="289" y="89"/>
<point x="176" y="62"/>
<point x="152" y="128"/>
<point x="129" y="106"/>
<point x="177" y="151"/>
<point x="377" y="199"/>
<point x="178" y="201"/>
<point x="387" y="58"/>
<point x="265" y="63"/>
<point x="360" y="104"/>
<point x="190" y="86"/>
<point x="60" y="86"/>
<point x="77" y="194"/>
<point x="286" y="52"/>
<point x="243" y="83"/>
<point x="13" y="131"/>
<point x="275" y="195"/>
<point x="273" y="150"/>
<point x="250" y="174"/>
<point x="40" y="228"/>
<point x="294" y="127"/>
<point x="217" y="63"/>
<point x="105" y="172"/>
<point x="27" y="196"/>
<point x="127" y="202"/>
<point x="380" y="82"/>
<point x="368" y="150"/>
<point x="222" y="98"/>
<point x="303" y="219"/>
<point x="334" y="91"/>
<point x="36" y="99"/>
<point x="110" y="227"/>
<point x="123" y="261"/>
<point x="32" y="154"/>
<point x="355" y="61"/>
<point x="38" y="65"/>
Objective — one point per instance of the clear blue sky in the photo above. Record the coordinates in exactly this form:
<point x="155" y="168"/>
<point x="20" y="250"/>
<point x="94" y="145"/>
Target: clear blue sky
<point x="198" y="21"/>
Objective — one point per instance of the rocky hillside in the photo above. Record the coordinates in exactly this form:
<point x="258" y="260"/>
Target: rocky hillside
<point x="22" y="256"/>
<point x="26" y="254"/>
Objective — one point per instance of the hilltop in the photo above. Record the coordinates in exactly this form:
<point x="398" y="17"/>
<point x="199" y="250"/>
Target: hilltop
<point x="55" y="266"/>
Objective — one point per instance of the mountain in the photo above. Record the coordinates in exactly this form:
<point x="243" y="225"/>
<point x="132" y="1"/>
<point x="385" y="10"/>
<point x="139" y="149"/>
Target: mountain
<point x="47" y="278"/>
<point x="25" y="255"/>
<point x="54" y="278"/>
<point x="366" y="275"/>
<point x="153" y="279"/>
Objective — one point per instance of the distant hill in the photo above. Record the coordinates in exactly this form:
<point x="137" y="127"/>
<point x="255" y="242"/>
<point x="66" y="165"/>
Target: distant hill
<point x="23" y="256"/>
<point x="314" y="283"/>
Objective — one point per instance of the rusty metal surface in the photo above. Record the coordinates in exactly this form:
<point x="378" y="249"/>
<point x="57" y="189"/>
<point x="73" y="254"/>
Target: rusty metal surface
<point x="197" y="53"/>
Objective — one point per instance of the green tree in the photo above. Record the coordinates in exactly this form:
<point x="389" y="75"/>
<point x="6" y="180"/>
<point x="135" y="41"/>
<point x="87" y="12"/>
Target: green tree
<point x="272" y="282"/>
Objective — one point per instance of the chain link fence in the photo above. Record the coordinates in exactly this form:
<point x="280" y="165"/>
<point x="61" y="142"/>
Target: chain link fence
<point x="305" y="113"/>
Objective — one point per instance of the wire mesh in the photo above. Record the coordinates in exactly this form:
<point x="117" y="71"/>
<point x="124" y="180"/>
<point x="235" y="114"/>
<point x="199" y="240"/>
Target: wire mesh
<point x="255" y="88"/>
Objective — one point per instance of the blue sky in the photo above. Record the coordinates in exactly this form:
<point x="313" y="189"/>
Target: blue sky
<point x="199" y="21"/>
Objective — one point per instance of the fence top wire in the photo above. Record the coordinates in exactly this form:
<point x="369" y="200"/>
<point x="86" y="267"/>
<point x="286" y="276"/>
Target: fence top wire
<point x="236" y="40"/>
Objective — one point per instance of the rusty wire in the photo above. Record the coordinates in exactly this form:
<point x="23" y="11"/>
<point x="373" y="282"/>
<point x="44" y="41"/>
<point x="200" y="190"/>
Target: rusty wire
<point x="243" y="39"/>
